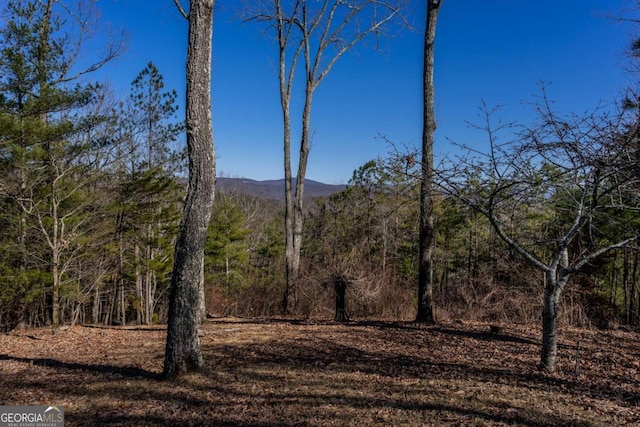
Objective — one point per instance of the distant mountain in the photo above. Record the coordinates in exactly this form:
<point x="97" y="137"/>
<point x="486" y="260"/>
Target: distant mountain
<point x="274" y="189"/>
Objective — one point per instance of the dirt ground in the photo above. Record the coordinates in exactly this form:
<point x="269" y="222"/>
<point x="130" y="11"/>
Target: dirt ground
<point x="304" y="373"/>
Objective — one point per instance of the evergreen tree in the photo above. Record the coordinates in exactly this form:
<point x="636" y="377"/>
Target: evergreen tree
<point x="226" y="249"/>
<point x="43" y="107"/>
<point x="147" y="195"/>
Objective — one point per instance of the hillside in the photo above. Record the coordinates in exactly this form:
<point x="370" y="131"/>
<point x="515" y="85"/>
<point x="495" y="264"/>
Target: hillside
<point x="274" y="189"/>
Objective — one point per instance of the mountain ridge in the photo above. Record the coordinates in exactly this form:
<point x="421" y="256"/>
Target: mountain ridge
<point x="273" y="189"/>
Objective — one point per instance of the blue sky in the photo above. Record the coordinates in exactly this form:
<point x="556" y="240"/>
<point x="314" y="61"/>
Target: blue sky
<point x="499" y="51"/>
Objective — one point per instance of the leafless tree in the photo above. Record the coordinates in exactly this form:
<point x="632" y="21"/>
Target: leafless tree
<point x="572" y="176"/>
<point x="427" y="233"/>
<point x="183" y="352"/>
<point x="317" y="33"/>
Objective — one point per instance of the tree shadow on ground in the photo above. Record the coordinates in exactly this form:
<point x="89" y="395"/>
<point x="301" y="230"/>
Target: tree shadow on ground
<point x="127" y="328"/>
<point x="123" y="371"/>
<point x="410" y="399"/>
<point x="485" y="336"/>
<point x="261" y="321"/>
<point x="317" y="377"/>
<point x="381" y="325"/>
<point x="326" y="355"/>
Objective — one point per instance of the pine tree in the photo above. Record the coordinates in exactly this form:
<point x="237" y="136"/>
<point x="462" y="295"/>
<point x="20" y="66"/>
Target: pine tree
<point x="147" y="195"/>
<point x="43" y="109"/>
<point x="226" y="250"/>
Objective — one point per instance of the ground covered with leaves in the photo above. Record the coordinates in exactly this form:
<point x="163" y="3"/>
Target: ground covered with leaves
<point x="305" y="373"/>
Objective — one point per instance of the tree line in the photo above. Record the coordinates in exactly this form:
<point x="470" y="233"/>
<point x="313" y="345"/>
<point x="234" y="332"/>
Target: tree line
<point x="92" y="189"/>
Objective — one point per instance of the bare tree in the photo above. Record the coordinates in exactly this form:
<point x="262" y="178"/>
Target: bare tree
<point x="427" y="233"/>
<point x="183" y="352"/>
<point x="317" y="33"/>
<point x="574" y="175"/>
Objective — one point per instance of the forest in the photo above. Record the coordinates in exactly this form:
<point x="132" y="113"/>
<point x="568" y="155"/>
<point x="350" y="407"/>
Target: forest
<point x="111" y="233"/>
<point x="92" y="188"/>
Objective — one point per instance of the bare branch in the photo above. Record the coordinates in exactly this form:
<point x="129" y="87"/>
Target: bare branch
<point x="184" y="14"/>
<point x="591" y="257"/>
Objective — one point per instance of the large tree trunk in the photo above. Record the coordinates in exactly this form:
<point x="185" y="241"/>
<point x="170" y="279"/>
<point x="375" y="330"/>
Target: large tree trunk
<point x="427" y="238"/>
<point x="183" y="352"/>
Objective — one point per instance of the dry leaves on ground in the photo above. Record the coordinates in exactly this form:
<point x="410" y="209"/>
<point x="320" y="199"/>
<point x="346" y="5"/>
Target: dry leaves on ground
<point x="282" y="372"/>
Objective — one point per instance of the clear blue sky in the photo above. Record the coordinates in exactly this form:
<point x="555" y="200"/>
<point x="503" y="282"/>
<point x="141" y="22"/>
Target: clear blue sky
<point x="497" y="50"/>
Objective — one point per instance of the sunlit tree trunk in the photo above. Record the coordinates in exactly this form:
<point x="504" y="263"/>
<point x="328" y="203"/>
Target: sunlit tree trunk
<point x="55" y="261"/>
<point x="286" y="81"/>
<point x="183" y="352"/>
<point x="295" y="211"/>
<point x="556" y="279"/>
<point x="427" y="235"/>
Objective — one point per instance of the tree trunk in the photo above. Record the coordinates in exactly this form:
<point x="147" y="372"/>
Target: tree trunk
<point x="553" y="289"/>
<point x="55" y="295"/>
<point x="613" y="283"/>
<point x="633" y="304"/>
<point x="55" y="258"/>
<point x="148" y="296"/>
<point x="123" y="305"/>
<point x="202" y="309"/>
<point x="295" y="212"/>
<point x="427" y="238"/>
<point x="285" y="96"/>
<point x="625" y="286"/>
<point x="148" y="275"/>
<point x="340" y="285"/>
<point x="291" y="270"/>
<point x="95" y="312"/>
<point x="183" y="352"/>
<point x="138" y="274"/>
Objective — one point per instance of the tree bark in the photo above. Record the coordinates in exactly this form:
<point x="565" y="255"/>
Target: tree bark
<point x="183" y="352"/>
<point x="54" y="244"/>
<point x="427" y="237"/>
<point x="138" y="275"/>
<point x="549" y="326"/>
<point x="285" y="97"/>
<point x="340" y="285"/>
<point x="633" y="304"/>
<point x="556" y="280"/>
<point x="625" y="285"/>
<point x="295" y="206"/>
